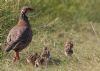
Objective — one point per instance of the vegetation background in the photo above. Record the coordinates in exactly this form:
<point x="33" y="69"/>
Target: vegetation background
<point x="53" y="22"/>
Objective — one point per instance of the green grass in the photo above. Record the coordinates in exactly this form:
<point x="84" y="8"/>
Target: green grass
<point x="53" y="22"/>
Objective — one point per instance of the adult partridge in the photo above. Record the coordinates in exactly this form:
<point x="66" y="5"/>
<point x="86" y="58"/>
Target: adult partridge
<point x="20" y="35"/>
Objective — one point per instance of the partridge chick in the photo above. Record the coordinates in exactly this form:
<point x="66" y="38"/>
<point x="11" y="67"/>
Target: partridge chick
<point x="68" y="48"/>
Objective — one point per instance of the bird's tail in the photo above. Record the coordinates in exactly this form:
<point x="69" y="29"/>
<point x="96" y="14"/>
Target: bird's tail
<point x="8" y="48"/>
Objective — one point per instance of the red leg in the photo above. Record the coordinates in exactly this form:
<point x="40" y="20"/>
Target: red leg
<point x="16" y="56"/>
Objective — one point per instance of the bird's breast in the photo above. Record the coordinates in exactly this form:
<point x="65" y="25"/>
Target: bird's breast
<point x="22" y="23"/>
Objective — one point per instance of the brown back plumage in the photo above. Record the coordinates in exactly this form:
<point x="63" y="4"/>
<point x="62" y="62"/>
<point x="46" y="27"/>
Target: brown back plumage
<point x="32" y="58"/>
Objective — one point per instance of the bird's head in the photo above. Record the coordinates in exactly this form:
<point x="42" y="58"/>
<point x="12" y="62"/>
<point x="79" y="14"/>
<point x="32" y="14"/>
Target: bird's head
<point x="26" y="10"/>
<point x="45" y="48"/>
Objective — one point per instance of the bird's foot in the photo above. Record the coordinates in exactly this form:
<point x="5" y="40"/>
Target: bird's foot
<point x="14" y="59"/>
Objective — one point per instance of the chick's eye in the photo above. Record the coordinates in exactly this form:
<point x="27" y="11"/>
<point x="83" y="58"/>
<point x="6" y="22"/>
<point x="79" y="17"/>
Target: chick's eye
<point x="22" y="11"/>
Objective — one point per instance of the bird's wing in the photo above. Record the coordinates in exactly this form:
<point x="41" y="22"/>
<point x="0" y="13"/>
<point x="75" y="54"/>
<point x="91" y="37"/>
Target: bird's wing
<point x="14" y="36"/>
